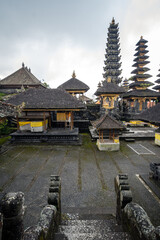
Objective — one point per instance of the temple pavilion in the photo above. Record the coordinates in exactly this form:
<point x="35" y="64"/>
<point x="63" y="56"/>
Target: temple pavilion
<point x="140" y="97"/>
<point x="152" y="115"/>
<point x="74" y="86"/>
<point x="108" y="129"/>
<point x="47" y="109"/>
<point x="22" y="78"/>
<point x="109" y="91"/>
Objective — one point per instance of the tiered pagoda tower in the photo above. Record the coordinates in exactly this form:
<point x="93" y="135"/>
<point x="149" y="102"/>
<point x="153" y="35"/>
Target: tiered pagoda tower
<point x="125" y="84"/>
<point x="157" y="87"/>
<point x="109" y="91"/>
<point x="140" y="95"/>
<point x="112" y="63"/>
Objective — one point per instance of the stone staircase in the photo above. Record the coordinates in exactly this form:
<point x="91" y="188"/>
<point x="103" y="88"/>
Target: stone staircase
<point x="90" y="226"/>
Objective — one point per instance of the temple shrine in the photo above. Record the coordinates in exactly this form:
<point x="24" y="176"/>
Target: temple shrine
<point x="108" y="129"/>
<point x="152" y="115"/>
<point x="74" y="86"/>
<point x="109" y="91"/>
<point x="47" y="114"/>
<point x="140" y="97"/>
<point x="21" y="79"/>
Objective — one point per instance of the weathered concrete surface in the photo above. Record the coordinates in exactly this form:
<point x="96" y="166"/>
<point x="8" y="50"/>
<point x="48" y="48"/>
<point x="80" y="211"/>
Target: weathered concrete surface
<point x="87" y="176"/>
<point x="108" y="146"/>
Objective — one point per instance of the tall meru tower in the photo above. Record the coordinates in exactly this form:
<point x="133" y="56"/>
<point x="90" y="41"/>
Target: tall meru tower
<point x="140" y="97"/>
<point x="112" y="63"/>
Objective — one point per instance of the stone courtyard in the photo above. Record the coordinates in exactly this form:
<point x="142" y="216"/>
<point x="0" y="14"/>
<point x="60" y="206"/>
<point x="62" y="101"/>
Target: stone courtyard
<point x="87" y="176"/>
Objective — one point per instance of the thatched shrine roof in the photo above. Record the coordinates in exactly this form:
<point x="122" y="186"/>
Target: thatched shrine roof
<point x="74" y="84"/>
<point x="46" y="99"/>
<point x="141" y="93"/>
<point x="107" y="122"/>
<point x="23" y="77"/>
<point x="108" y="88"/>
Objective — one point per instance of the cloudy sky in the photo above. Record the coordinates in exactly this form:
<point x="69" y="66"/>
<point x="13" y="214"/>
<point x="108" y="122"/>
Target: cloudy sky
<point x="55" y="37"/>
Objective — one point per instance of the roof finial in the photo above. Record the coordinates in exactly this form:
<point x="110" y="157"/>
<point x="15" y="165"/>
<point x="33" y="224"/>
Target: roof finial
<point x="73" y="74"/>
<point x="113" y="21"/>
<point x="22" y="64"/>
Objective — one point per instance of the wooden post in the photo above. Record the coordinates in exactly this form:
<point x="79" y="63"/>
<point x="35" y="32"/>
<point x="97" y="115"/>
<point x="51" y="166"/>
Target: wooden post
<point x="44" y="120"/>
<point x="18" y="127"/>
<point x="113" y="135"/>
<point x="72" y="120"/>
<point x="49" y="119"/>
<point x="102" y="136"/>
<point x="109" y="134"/>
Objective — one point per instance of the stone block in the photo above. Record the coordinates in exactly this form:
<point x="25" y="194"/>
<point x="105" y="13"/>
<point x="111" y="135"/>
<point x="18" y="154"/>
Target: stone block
<point x="108" y="146"/>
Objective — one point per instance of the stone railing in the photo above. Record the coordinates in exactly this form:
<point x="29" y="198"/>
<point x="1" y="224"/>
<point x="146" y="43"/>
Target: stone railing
<point x="132" y="216"/>
<point x="12" y="210"/>
<point x="155" y="171"/>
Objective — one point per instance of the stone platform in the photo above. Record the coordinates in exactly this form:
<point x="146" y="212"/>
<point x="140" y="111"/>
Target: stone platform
<point x="54" y="135"/>
<point x="137" y="133"/>
<point x="107" y="145"/>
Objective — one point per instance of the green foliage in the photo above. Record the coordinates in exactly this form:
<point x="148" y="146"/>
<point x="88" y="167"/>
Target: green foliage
<point x="2" y="95"/>
<point x="4" y="139"/>
<point x="5" y="129"/>
<point x="45" y="84"/>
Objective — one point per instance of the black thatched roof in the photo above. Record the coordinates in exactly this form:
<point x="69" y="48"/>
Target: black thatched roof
<point x="137" y="70"/>
<point x="46" y="99"/>
<point x="109" y="87"/>
<point x="140" y="84"/>
<point x="23" y="76"/>
<point x="141" y="93"/>
<point x="107" y="122"/>
<point x="151" y="115"/>
<point x="157" y="87"/>
<point x="74" y="84"/>
<point x="141" y="41"/>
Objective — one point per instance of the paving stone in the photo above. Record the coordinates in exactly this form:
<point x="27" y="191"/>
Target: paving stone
<point x="93" y="236"/>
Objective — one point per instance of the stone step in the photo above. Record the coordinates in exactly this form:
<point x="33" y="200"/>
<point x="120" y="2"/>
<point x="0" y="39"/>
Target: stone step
<point x="89" y="226"/>
<point x="84" y="215"/>
<point x="93" y="236"/>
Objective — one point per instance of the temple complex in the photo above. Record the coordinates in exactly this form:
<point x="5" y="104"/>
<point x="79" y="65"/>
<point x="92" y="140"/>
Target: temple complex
<point x="20" y="80"/>
<point x="140" y="97"/>
<point x="109" y="91"/>
<point x="74" y="86"/>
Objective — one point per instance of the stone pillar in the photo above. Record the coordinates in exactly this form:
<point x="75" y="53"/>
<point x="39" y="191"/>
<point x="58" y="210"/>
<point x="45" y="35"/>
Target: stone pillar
<point x="12" y="208"/>
<point x="54" y="196"/>
<point x="124" y="195"/>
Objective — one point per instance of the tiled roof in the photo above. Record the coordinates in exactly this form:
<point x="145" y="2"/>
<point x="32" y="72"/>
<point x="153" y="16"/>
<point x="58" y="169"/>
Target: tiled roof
<point x="46" y="98"/>
<point x="107" y="122"/>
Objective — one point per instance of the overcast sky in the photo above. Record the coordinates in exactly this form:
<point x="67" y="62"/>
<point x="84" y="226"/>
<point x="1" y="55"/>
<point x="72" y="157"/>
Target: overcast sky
<point x="55" y="37"/>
